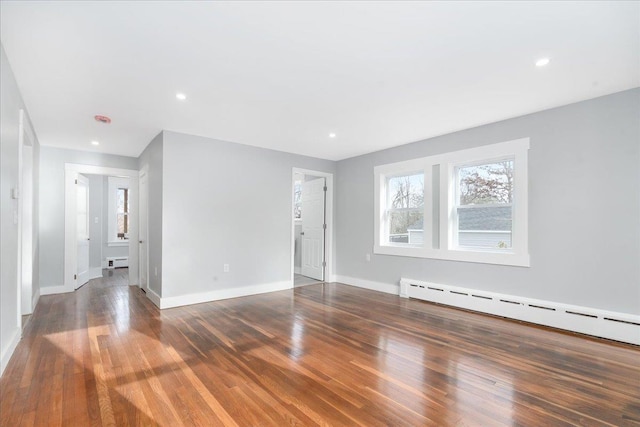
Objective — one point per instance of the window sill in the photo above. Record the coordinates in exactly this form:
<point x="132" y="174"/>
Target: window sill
<point x="119" y="243"/>
<point x="481" y="257"/>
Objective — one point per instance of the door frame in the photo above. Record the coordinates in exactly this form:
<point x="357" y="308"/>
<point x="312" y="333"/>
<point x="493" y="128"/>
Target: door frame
<point x="143" y="172"/>
<point x="71" y="171"/>
<point x="88" y="272"/>
<point x="329" y="273"/>
<point x="26" y="138"/>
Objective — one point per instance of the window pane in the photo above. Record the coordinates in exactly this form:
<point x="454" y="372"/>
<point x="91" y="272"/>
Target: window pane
<point x="406" y="191"/>
<point x="488" y="183"/>
<point x="297" y="200"/>
<point x="485" y="227"/>
<point x="406" y="227"/>
<point x="123" y="225"/>
<point x="120" y="200"/>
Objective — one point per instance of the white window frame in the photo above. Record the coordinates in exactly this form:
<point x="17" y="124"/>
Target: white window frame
<point x="383" y="173"/>
<point x="517" y="255"/>
<point x="114" y="184"/>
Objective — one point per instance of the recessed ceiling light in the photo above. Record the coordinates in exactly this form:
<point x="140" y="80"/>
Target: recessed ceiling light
<point x="181" y="96"/>
<point x="542" y="62"/>
<point x="95" y="142"/>
<point x="332" y="135"/>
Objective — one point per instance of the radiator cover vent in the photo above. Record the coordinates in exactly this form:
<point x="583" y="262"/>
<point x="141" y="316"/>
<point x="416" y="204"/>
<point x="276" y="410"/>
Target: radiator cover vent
<point x="600" y="323"/>
<point x="117" y="262"/>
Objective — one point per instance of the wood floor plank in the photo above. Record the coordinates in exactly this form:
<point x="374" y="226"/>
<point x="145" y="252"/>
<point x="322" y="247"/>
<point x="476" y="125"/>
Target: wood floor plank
<point x="318" y="355"/>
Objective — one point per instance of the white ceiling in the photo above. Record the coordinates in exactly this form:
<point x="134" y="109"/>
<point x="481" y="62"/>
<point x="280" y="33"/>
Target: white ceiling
<point x="284" y="75"/>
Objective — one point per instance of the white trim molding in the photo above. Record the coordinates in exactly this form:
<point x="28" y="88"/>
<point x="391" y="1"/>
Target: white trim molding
<point x="154" y="297"/>
<point x="35" y="299"/>
<point x="585" y="320"/>
<point x="387" y="288"/>
<point x="440" y="218"/>
<point x="8" y="351"/>
<point x="72" y="171"/>
<point x="56" y="289"/>
<point x="218" y="294"/>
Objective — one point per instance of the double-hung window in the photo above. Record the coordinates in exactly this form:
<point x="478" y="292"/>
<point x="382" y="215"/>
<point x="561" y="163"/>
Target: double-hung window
<point x="122" y="212"/>
<point x="469" y="205"/>
<point x="119" y="209"/>
<point x="482" y="214"/>
<point x="405" y="209"/>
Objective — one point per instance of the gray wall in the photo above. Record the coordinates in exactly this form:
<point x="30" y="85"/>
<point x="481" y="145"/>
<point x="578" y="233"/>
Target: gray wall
<point x="152" y="159"/>
<point x="584" y="208"/>
<point x="52" y="163"/>
<point x="10" y="104"/>
<point x="226" y="203"/>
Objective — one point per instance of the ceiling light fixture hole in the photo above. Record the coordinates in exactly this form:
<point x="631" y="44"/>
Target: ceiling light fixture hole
<point x="102" y="119"/>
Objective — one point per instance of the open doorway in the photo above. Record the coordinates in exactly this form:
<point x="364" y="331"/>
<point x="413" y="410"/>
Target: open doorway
<point x="103" y="227"/>
<point x="101" y="224"/>
<point x="311" y="227"/>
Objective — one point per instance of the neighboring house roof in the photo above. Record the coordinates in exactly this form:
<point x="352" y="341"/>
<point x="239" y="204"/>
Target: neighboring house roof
<point x="490" y="219"/>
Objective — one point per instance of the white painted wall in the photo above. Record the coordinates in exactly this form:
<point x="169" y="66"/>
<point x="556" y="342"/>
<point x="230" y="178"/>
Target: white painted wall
<point x="152" y="159"/>
<point x="226" y="203"/>
<point x="52" y="161"/>
<point x="584" y="208"/>
<point x="10" y="105"/>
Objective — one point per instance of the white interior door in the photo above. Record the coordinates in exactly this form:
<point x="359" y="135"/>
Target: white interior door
<point x="144" y="218"/>
<point x="82" y="223"/>
<point x="28" y="254"/>
<point x="313" y="227"/>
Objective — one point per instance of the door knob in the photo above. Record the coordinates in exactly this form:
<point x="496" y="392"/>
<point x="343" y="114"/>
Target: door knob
<point x="140" y="241"/>
<point x="302" y="233"/>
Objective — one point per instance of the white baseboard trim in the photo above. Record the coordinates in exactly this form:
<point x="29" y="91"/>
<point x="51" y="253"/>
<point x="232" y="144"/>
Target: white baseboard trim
<point x="155" y="298"/>
<point x="585" y="320"/>
<point x="95" y="273"/>
<point x="51" y="290"/>
<point x="297" y="270"/>
<point x="180" y="300"/>
<point x="35" y="299"/>
<point x="7" y="352"/>
<point x="368" y="284"/>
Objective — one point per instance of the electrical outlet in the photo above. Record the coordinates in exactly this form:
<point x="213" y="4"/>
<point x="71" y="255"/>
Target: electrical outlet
<point x="95" y="220"/>
<point x="226" y="268"/>
<point x="367" y="257"/>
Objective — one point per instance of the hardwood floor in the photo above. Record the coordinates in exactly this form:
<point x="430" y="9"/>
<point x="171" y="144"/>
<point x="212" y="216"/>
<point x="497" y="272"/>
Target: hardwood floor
<point x="300" y="280"/>
<point x="327" y="355"/>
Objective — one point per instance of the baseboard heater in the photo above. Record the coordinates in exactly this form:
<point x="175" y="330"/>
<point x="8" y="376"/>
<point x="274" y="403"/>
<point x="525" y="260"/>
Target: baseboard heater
<point x="117" y="262"/>
<point x="600" y="323"/>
